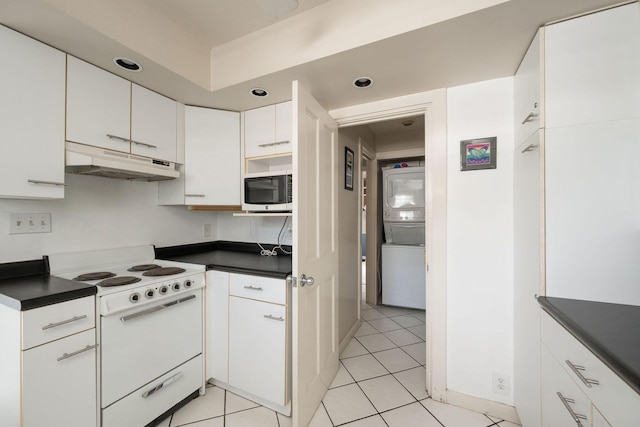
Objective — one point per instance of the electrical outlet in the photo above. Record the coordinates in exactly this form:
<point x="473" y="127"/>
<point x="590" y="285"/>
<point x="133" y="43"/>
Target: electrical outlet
<point x="206" y="230"/>
<point x="22" y="223"/>
<point x="501" y="384"/>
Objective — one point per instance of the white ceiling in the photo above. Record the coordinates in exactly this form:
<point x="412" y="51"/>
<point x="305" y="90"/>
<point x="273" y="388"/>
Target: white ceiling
<point x="175" y="40"/>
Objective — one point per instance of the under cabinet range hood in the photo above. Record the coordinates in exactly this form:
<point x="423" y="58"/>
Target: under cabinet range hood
<point x="87" y="160"/>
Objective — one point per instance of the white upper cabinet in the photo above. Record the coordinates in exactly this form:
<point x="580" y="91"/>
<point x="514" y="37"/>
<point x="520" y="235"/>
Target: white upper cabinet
<point x="153" y="124"/>
<point x="104" y="110"/>
<point x="527" y="88"/>
<point x="592" y="67"/>
<point x="98" y="107"/>
<point x="211" y="173"/>
<point x="32" y="85"/>
<point x="267" y="130"/>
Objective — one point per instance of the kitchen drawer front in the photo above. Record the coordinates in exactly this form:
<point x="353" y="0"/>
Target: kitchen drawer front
<point x="258" y="288"/>
<point x="618" y="402"/>
<point x="52" y="322"/>
<point x="137" y="410"/>
<point x="561" y="400"/>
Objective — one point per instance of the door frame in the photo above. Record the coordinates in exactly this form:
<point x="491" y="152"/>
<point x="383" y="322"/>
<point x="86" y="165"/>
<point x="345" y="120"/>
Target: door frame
<point x="433" y="104"/>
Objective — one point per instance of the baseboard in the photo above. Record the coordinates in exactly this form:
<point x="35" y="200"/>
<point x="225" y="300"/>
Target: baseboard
<point x="488" y="407"/>
<point x="352" y="332"/>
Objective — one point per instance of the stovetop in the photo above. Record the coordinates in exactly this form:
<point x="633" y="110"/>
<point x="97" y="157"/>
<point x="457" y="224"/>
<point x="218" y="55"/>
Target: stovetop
<point x="136" y="263"/>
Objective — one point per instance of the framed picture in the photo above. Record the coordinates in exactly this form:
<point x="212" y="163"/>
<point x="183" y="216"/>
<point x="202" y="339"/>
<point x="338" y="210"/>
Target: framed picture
<point x="476" y="154"/>
<point x="348" y="168"/>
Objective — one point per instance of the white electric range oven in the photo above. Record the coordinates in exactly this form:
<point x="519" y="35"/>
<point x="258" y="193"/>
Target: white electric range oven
<point x="150" y="332"/>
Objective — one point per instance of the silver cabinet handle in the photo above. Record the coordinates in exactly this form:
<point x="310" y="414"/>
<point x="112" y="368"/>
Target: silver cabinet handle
<point x="269" y="316"/>
<point x="119" y="138"/>
<point x="144" y="143"/>
<point x="156" y="308"/>
<point x="577" y="369"/>
<point x="576" y="417"/>
<point x="529" y="118"/>
<point x="304" y="280"/>
<point x="271" y="144"/>
<point x="529" y="147"/>
<point x="64" y="322"/>
<point x="253" y="288"/>
<point x="75" y="353"/>
<point x="194" y="195"/>
<point x="38" y="181"/>
<point x="163" y="384"/>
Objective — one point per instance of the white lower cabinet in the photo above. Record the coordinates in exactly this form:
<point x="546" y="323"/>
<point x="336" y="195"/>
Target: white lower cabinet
<point x="248" y="349"/>
<point x="572" y="370"/>
<point x="257" y="332"/>
<point x="48" y="359"/>
<point x="59" y="382"/>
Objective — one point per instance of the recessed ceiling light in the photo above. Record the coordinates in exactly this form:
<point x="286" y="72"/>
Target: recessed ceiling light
<point x="259" y="92"/>
<point x="407" y="122"/>
<point x="362" y="82"/>
<point x="127" y="64"/>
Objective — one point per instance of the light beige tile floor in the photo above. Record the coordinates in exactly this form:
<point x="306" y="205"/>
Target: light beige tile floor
<point x="380" y="383"/>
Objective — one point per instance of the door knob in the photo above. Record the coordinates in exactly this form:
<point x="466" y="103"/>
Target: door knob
<point x="304" y="280"/>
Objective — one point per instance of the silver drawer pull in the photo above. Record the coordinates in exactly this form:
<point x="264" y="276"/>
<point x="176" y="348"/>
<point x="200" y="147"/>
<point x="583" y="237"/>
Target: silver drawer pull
<point x="144" y="143"/>
<point x="75" y="353"/>
<point x="156" y="308"/>
<point x="576" y="417"/>
<point x="194" y="195"/>
<point x="271" y="144"/>
<point x="529" y="118"/>
<point x="38" y="181"/>
<point x="64" y="322"/>
<point x="163" y="384"/>
<point x="119" y="138"/>
<point x="253" y="288"/>
<point x="272" y="317"/>
<point x="577" y="370"/>
<point x="529" y="147"/>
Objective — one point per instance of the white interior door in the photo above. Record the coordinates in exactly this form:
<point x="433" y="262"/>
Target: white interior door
<point x="314" y="306"/>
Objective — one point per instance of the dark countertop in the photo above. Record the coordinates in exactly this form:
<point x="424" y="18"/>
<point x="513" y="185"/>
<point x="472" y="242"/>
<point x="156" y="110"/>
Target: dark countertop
<point x="234" y="257"/>
<point x="26" y="285"/>
<point x="610" y="331"/>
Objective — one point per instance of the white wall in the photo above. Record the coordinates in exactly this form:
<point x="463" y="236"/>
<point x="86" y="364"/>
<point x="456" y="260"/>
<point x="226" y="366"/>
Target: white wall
<point x="253" y="229"/>
<point x="479" y="242"/>
<point x="100" y="213"/>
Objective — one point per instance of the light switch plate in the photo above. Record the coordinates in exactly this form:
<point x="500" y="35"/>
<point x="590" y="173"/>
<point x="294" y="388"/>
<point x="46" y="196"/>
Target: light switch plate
<point x="22" y="223"/>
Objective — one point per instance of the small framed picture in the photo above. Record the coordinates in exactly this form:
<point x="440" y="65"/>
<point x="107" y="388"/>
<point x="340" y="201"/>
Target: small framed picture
<point x="348" y="168"/>
<point x="476" y="154"/>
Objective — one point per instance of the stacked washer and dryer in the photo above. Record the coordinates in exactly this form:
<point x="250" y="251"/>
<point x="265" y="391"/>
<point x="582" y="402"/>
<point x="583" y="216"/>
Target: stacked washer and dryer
<point x="404" y="251"/>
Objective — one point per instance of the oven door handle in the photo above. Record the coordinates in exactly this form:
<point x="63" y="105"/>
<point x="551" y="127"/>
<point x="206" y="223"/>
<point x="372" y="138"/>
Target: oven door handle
<point x="162" y="385"/>
<point x="156" y="308"/>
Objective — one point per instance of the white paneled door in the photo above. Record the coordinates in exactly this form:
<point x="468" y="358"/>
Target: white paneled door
<point x="314" y="302"/>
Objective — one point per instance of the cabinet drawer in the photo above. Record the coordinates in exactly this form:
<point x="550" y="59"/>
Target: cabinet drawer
<point x="618" y="402"/>
<point x="55" y="321"/>
<point x="258" y="288"/>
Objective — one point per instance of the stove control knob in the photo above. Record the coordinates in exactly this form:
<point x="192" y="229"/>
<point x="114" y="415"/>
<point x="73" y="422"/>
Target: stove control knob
<point x="134" y="297"/>
<point x="188" y="283"/>
<point x="175" y="286"/>
<point x="163" y="289"/>
<point x="149" y="293"/>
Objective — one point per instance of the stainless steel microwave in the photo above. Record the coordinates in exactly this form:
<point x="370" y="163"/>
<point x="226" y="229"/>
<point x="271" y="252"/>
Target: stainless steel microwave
<point x="268" y="192"/>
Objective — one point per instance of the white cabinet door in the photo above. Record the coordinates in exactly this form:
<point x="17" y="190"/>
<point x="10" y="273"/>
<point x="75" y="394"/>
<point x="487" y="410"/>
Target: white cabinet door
<point x="153" y="124"/>
<point x="257" y="348"/>
<point x="527" y="243"/>
<point x="59" y="383"/>
<point x="259" y="131"/>
<point x="527" y="91"/>
<point x="31" y="118"/>
<point x="563" y="404"/>
<point x="98" y="107"/>
<point x="283" y="128"/>
<point x="592" y="67"/>
<point x="212" y="157"/>
<point x="217" y="327"/>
